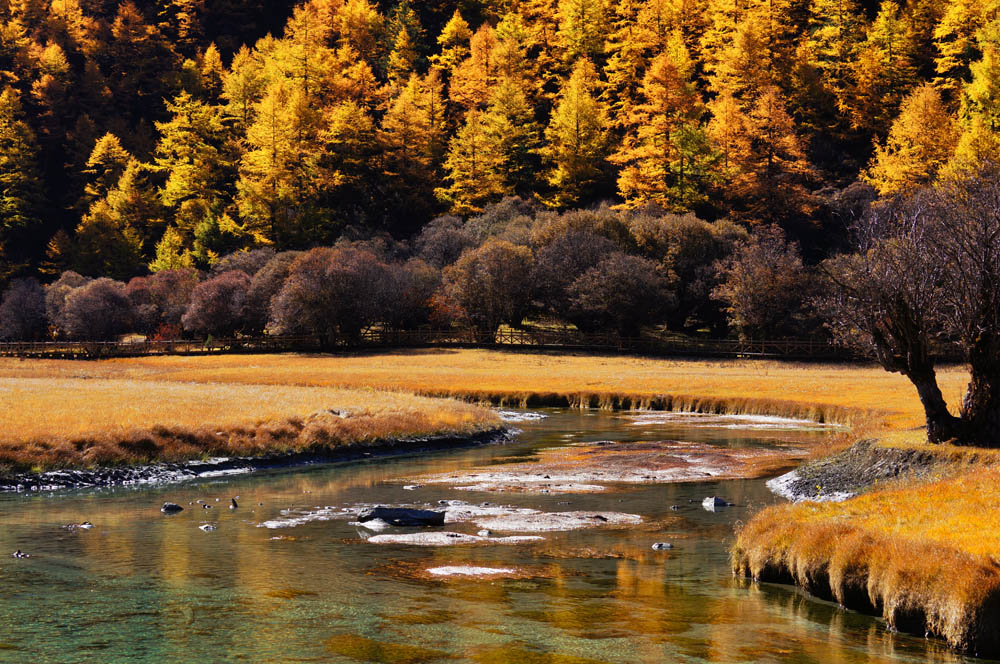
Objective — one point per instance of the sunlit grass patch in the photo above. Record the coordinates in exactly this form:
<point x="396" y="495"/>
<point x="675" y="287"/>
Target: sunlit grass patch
<point x="925" y="555"/>
<point x="51" y="422"/>
<point x="827" y="392"/>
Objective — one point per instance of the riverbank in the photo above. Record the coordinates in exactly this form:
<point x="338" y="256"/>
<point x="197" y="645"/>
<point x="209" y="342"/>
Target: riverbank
<point x="81" y="421"/>
<point x="164" y="472"/>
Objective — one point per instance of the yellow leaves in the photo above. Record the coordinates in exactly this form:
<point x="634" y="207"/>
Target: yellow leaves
<point x="577" y="136"/>
<point x="454" y="42"/>
<point x="919" y="144"/>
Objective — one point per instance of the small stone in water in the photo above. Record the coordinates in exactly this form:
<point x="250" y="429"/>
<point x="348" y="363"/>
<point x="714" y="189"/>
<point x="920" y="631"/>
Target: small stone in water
<point x="675" y="507"/>
<point x="485" y="533"/>
<point x="662" y="545"/>
<point x="20" y="554"/>
<point x="207" y="527"/>
<point x="412" y="487"/>
<point x="171" y="508"/>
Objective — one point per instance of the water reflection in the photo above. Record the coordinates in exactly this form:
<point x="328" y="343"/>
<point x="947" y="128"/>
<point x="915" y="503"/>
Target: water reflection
<point x="142" y="586"/>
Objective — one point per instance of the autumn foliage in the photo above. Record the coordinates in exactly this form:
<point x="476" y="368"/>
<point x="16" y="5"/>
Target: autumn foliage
<point x="139" y="137"/>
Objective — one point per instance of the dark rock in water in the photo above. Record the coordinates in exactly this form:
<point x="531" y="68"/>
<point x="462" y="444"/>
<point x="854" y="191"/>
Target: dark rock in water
<point x="20" y="554"/>
<point x="171" y="508"/>
<point x="660" y="546"/>
<point x="234" y="505"/>
<point x="207" y="527"/>
<point x="675" y="507"/>
<point x="207" y="507"/>
<point x="402" y="516"/>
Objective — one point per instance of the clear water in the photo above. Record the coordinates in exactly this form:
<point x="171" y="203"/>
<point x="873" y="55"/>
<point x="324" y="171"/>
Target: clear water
<point x="144" y="587"/>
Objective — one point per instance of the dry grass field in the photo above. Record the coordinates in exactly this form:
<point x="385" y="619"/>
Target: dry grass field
<point x="842" y="393"/>
<point x="56" y="419"/>
<point x="90" y="407"/>
<point x="925" y="555"/>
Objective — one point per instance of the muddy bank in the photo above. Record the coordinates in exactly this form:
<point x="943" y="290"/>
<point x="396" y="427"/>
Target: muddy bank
<point x="160" y="473"/>
<point x="855" y="470"/>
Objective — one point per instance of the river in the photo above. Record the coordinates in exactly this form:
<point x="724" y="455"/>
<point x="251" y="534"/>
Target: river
<point x="141" y="586"/>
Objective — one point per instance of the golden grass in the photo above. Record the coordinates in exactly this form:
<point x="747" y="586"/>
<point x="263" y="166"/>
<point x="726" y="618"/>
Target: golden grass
<point x="924" y="556"/>
<point x="862" y="397"/>
<point x="847" y="394"/>
<point x="51" y="421"/>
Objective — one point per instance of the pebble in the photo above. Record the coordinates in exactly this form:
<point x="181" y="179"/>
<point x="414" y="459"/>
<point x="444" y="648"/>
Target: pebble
<point x="207" y="527"/>
<point x="20" y="554"/>
<point x="171" y="508"/>
<point x="659" y="546"/>
<point x="413" y="487"/>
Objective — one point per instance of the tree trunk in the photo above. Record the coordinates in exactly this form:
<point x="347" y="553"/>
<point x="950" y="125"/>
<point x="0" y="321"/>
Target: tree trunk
<point x="942" y="426"/>
<point x="981" y="406"/>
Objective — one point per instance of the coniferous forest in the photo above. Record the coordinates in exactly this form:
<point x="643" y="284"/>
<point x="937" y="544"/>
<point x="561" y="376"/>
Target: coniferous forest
<point x="705" y="151"/>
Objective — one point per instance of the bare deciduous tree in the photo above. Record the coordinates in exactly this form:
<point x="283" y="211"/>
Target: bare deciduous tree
<point x="22" y="311"/>
<point x="97" y="311"/>
<point x="927" y="271"/>
<point x="218" y="305"/>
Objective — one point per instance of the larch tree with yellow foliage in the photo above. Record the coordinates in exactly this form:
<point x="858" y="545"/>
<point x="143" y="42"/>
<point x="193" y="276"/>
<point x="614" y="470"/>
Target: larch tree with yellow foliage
<point x="278" y="169"/>
<point x="919" y="144"/>
<point x="665" y="156"/>
<point x="472" y="167"/>
<point x="411" y="140"/>
<point x="582" y="28"/>
<point x="979" y="107"/>
<point x="883" y="72"/>
<point x="768" y="169"/>
<point x="453" y="43"/>
<point x="576" y="139"/>
<point x="835" y="33"/>
<point x="471" y="81"/>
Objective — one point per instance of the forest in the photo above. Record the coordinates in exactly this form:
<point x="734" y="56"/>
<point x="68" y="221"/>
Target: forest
<point x="705" y="153"/>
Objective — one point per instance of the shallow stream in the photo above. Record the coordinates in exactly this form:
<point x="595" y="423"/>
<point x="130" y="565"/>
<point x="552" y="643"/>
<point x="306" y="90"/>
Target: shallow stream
<point x="286" y="577"/>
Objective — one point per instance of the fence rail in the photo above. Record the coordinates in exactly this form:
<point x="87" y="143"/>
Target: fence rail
<point x="540" y="339"/>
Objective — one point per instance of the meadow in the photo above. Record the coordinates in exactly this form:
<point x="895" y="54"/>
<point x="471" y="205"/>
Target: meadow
<point x="140" y="409"/>
<point x="81" y="417"/>
<point x="844" y="393"/>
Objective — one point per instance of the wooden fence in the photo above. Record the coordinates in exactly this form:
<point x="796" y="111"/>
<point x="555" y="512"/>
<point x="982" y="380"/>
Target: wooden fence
<point x="535" y="339"/>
